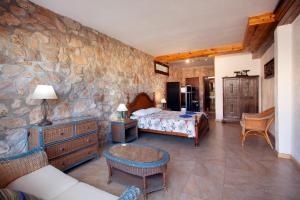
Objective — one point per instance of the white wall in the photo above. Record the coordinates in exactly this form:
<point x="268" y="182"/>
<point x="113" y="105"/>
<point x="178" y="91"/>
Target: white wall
<point x="225" y="65"/>
<point x="283" y="91"/>
<point x="287" y="88"/>
<point x="267" y="85"/>
<point x="296" y="91"/>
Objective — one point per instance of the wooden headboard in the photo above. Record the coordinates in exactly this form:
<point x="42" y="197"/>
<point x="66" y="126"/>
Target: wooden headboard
<point x="141" y="101"/>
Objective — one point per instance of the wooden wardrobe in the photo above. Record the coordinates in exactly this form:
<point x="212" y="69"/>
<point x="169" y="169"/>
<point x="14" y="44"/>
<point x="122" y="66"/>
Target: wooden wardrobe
<point x="240" y="95"/>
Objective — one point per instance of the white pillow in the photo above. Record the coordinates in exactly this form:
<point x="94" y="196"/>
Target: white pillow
<point x="152" y="110"/>
<point x="140" y="113"/>
<point x="134" y="117"/>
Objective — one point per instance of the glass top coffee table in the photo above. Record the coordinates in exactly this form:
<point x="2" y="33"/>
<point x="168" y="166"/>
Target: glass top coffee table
<point x="140" y="160"/>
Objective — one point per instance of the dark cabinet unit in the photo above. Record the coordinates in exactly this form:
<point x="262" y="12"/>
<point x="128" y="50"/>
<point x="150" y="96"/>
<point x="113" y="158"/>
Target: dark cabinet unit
<point x="173" y="96"/>
<point x="189" y="98"/>
<point x="240" y="95"/>
<point x="181" y="97"/>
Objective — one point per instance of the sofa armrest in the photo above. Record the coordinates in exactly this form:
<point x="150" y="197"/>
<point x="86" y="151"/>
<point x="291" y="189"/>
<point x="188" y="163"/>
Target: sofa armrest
<point x="13" y="168"/>
<point x="131" y="193"/>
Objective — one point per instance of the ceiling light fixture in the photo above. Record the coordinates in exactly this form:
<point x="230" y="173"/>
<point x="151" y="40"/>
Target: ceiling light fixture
<point x="187" y="61"/>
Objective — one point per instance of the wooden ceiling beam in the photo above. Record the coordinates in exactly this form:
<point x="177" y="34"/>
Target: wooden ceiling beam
<point x="231" y="48"/>
<point x="257" y="30"/>
<point x="285" y="12"/>
<point x="261" y="19"/>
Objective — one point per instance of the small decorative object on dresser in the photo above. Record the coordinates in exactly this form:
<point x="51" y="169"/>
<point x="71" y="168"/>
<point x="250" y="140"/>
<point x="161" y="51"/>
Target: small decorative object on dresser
<point x="44" y="92"/>
<point x="242" y="73"/>
<point x="67" y="142"/>
<point x="124" y="130"/>
<point x="122" y="110"/>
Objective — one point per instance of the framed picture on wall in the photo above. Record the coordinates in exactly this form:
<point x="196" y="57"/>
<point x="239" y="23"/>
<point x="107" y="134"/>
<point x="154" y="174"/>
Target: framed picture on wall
<point x="269" y="69"/>
<point x="161" y="68"/>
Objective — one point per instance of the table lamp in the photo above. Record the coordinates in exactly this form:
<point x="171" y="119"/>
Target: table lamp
<point x="163" y="102"/>
<point x="122" y="109"/>
<point x="44" y="92"/>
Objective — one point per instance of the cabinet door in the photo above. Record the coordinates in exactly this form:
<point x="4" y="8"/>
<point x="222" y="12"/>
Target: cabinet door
<point x="248" y="87"/>
<point x="231" y="88"/>
<point x="249" y="95"/>
<point x="231" y="108"/>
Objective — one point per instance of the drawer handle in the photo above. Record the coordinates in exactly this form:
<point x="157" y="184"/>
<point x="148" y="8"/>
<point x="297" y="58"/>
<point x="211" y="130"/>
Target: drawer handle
<point x="88" y="140"/>
<point x="62" y="149"/>
<point x="61" y="134"/>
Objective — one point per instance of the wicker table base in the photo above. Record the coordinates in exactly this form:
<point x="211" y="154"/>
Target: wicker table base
<point x="154" y="169"/>
<point x="153" y="183"/>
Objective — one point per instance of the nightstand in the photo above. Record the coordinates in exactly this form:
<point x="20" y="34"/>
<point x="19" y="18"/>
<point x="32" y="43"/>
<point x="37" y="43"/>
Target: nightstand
<point x="124" y="130"/>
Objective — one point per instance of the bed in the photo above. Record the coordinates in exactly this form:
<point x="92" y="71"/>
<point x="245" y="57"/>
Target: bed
<point x="167" y="122"/>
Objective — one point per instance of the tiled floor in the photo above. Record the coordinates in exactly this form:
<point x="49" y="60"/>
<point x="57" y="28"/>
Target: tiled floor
<point x="218" y="169"/>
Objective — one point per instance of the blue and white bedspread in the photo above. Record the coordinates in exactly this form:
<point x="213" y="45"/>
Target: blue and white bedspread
<point x="169" y="121"/>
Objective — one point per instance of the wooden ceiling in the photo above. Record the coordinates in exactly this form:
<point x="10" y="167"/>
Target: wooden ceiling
<point x="259" y="34"/>
<point x="285" y="13"/>
<point x="258" y="28"/>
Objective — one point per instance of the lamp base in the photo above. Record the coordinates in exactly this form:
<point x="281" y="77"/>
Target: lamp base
<point x="45" y="122"/>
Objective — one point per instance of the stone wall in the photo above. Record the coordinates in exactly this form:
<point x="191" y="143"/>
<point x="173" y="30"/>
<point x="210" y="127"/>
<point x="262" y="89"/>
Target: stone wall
<point x="181" y="73"/>
<point x="90" y="72"/>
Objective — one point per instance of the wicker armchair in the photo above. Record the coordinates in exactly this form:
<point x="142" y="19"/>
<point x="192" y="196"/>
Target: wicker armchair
<point x="257" y="124"/>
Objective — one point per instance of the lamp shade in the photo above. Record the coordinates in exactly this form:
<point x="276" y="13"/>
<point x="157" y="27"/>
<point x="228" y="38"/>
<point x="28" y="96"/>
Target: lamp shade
<point x="183" y="89"/>
<point x="44" y="92"/>
<point x="122" y="108"/>
<point x="163" y="101"/>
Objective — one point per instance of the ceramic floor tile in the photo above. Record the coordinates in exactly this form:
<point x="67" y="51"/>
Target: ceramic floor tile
<point x="218" y="169"/>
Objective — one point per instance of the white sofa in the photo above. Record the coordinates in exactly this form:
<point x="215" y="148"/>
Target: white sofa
<point x="49" y="183"/>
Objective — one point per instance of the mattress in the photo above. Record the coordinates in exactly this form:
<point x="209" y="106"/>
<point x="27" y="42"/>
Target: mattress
<point x="169" y="121"/>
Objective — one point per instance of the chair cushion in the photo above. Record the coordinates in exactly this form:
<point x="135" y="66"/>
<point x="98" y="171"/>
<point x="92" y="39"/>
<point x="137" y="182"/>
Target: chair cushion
<point x="82" y="191"/>
<point x="7" y="194"/>
<point x="45" y="183"/>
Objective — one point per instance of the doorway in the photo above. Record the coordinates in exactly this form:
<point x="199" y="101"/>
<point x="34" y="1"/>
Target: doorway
<point x="209" y="95"/>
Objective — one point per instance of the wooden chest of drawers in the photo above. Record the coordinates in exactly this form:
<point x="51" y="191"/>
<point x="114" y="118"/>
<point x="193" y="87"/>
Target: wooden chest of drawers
<point x="67" y="142"/>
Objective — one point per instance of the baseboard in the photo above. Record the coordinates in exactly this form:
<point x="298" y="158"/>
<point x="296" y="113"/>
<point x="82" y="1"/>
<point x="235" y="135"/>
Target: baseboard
<point x="290" y="157"/>
<point x="284" y="155"/>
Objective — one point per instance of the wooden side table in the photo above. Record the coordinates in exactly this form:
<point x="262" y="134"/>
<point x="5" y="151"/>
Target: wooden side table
<point x="124" y="130"/>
